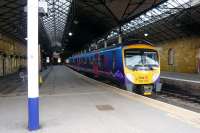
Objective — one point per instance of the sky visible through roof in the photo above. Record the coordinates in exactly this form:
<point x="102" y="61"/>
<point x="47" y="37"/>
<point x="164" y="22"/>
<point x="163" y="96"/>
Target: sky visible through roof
<point x="58" y="11"/>
<point x="162" y="11"/>
<point x="55" y="21"/>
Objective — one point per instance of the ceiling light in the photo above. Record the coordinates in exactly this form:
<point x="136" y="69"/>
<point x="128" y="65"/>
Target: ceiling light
<point x="70" y="34"/>
<point x="146" y="34"/>
<point x="75" y="21"/>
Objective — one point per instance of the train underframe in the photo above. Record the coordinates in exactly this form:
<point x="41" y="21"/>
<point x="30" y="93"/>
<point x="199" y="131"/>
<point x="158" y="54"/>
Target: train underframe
<point x="144" y="89"/>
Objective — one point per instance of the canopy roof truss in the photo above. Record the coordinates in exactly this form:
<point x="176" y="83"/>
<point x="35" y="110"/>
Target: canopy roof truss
<point x="55" y="21"/>
<point x="169" y="8"/>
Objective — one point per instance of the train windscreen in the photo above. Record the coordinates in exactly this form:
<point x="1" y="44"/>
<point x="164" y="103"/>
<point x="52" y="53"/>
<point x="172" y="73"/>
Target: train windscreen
<point x="141" y="58"/>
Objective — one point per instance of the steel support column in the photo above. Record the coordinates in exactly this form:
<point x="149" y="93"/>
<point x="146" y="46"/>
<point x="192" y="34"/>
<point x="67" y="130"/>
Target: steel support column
<point x="33" y="65"/>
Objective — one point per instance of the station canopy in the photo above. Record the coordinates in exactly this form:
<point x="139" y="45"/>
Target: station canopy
<point x="55" y="21"/>
<point x="169" y="20"/>
<point x="13" y="18"/>
<point x="75" y="24"/>
<point x="90" y="20"/>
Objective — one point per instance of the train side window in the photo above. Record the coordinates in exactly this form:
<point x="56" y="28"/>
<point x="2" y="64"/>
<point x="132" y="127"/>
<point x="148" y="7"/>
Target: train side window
<point x="113" y="60"/>
<point x="171" y="54"/>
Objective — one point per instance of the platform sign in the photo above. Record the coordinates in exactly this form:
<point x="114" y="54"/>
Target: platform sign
<point x="33" y="65"/>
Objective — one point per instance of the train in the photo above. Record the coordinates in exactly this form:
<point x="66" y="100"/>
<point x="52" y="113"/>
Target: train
<point x="135" y="65"/>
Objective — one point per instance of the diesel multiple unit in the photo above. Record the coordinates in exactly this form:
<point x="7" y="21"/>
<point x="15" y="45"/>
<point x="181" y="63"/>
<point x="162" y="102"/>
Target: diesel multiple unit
<point x="133" y="64"/>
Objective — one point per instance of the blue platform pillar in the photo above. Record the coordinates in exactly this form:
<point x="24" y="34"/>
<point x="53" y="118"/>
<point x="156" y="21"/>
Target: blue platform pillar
<point x="33" y="65"/>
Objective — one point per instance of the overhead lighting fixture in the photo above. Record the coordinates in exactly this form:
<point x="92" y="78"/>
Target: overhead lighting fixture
<point x="75" y="21"/>
<point x="70" y="34"/>
<point x="146" y="34"/>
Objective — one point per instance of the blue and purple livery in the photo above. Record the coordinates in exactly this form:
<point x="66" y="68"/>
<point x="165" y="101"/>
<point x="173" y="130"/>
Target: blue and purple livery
<point x="134" y="64"/>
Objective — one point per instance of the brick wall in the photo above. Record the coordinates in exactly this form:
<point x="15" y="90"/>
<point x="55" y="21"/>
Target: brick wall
<point x="185" y="55"/>
<point x="12" y="53"/>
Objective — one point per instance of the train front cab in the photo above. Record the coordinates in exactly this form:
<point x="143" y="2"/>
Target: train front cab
<point x="141" y="68"/>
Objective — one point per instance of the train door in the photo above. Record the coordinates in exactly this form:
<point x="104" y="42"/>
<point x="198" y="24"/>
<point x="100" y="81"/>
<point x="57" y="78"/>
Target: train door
<point x="113" y="61"/>
<point x="95" y="66"/>
<point x="102" y="62"/>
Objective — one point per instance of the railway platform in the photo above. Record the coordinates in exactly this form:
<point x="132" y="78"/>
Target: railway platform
<point x="73" y="103"/>
<point x="14" y="85"/>
<point x="187" y="83"/>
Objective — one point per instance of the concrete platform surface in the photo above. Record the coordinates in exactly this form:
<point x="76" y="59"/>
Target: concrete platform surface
<point x="72" y="103"/>
<point x="188" y="83"/>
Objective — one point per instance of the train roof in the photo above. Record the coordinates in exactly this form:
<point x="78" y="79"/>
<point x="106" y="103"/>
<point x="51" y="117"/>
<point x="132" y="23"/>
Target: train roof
<point x="135" y="41"/>
<point x="125" y="43"/>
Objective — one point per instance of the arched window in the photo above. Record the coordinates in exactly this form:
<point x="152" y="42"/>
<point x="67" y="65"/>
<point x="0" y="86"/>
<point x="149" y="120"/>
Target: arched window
<point x="171" y="54"/>
<point x="198" y="59"/>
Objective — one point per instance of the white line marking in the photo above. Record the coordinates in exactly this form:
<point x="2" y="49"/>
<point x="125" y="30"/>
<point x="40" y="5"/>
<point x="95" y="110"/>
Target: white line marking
<point x="178" y="79"/>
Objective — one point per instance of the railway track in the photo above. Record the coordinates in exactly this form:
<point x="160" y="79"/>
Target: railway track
<point x="186" y="97"/>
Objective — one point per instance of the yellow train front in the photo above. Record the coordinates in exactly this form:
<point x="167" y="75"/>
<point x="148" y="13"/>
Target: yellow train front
<point x="141" y="68"/>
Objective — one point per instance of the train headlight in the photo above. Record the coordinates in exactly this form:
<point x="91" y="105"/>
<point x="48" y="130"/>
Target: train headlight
<point x="130" y="77"/>
<point x="155" y="77"/>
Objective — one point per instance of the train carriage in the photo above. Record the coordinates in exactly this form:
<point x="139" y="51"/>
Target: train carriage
<point x="134" y="64"/>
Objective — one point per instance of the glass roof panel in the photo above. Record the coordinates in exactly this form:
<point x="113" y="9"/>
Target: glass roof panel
<point x="162" y="11"/>
<point x="55" y="21"/>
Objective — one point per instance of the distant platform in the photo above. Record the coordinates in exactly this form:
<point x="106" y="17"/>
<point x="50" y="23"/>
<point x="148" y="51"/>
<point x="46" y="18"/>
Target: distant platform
<point x="185" y="77"/>
<point x="186" y="82"/>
